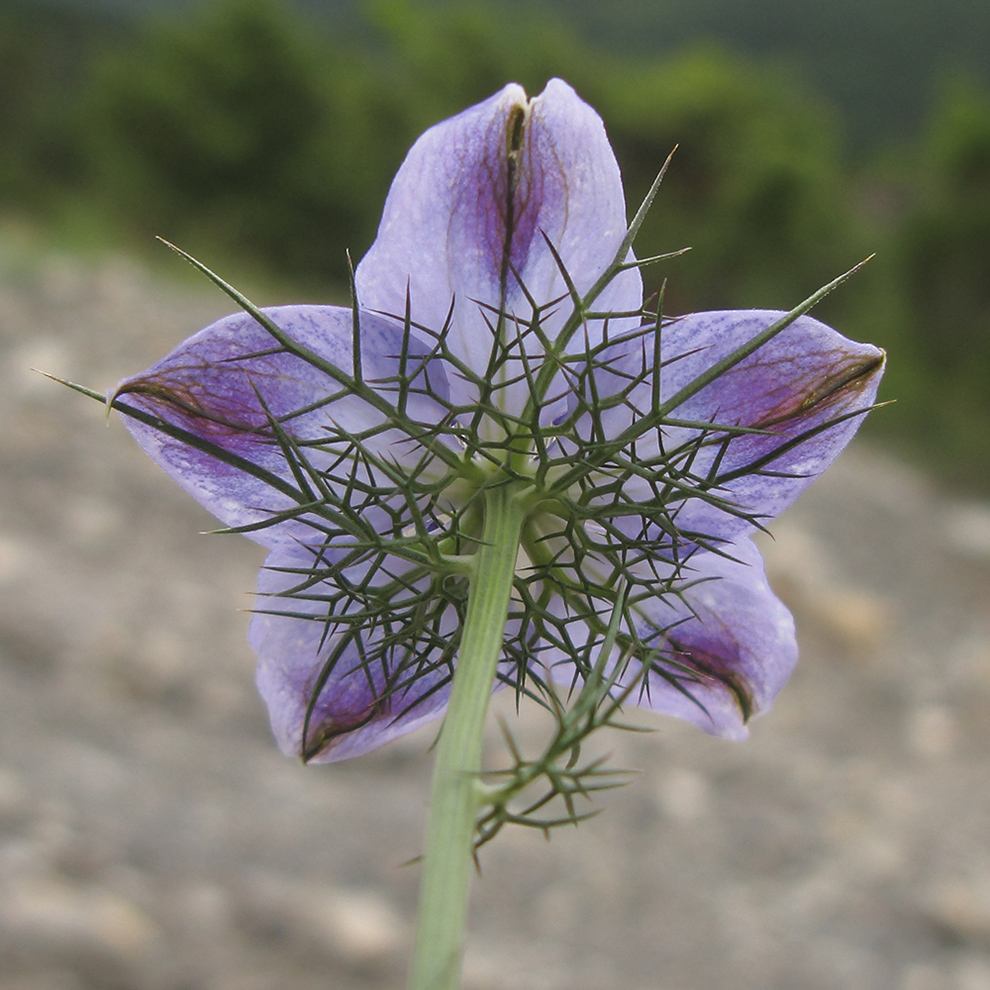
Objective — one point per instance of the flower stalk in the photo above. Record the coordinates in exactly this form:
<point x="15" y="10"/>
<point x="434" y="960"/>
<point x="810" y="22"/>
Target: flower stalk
<point x="457" y="793"/>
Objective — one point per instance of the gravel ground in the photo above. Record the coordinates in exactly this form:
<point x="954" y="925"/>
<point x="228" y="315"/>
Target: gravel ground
<point x="151" y="836"/>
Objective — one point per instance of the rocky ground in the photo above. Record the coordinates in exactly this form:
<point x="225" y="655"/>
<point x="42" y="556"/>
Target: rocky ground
<point x="152" y="837"/>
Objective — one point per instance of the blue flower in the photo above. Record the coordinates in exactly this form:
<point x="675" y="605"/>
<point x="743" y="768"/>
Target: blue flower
<point x="499" y="338"/>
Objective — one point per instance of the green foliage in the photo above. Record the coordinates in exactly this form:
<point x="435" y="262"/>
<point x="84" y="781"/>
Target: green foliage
<point x="755" y="186"/>
<point x="237" y="130"/>
<point x="946" y="241"/>
<point x="245" y="131"/>
<point x="934" y="303"/>
<point x="42" y="53"/>
<point x="248" y="130"/>
<point x="877" y="60"/>
<point x="447" y="56"/>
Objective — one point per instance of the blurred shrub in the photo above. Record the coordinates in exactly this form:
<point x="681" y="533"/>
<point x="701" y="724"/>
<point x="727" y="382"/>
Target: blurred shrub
<point x="945" y="243"/>
<point x="933" y="309"/>
<point x="249" y="134"/>
<point x="246" y="127"/>
<point x="246" y="130"/>
<point x="756" y="187"/>
<point x="444" y="56"/>
<point x="250" y="130"/>
<point x="43" y="53"/>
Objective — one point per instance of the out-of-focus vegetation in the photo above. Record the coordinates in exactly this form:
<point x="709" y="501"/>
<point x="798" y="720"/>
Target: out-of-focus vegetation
<point x="875" y="58"/>
<point x="248" y="133"/>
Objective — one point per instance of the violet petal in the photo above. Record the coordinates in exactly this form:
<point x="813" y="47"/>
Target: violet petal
<point x="457" y="229"/>
<point x="367" y="690"/>
<point x="726" y="650"/>
<point x="808" y="381"/>
<point x="226" y="384"/>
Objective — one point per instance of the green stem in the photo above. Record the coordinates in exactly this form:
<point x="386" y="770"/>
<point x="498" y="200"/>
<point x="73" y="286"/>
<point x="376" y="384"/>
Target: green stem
<point x="456" y="797"/>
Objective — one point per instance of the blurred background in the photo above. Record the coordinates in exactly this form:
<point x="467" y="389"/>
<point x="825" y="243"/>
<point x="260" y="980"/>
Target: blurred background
<point x="810" y="135"/>
<point x="150" y="834"/>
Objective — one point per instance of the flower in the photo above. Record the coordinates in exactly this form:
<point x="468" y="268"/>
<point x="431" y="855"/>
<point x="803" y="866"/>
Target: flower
<point x="499" y="338"/>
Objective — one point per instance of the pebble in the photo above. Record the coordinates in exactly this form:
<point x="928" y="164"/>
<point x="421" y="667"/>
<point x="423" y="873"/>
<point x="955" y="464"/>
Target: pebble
<point x="810" y="580"/>
<point x="13" y="557"/>
<point x="967" y="529"/>
<point x="361" y="925"/>
<point x="963" y="909"/>
<point x="350" y="923"/>
<point x="14" y="798"/>
<point x="684" y="796"/>
<point x="67" y="919"/>
<point x="932" y="731"/>
<point x="923" y="976"/>
<point x="972" y="973"/>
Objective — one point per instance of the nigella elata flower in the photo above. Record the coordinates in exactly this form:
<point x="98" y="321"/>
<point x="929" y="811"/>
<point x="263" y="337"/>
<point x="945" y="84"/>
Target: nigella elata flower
<point x="498" y="337"/>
